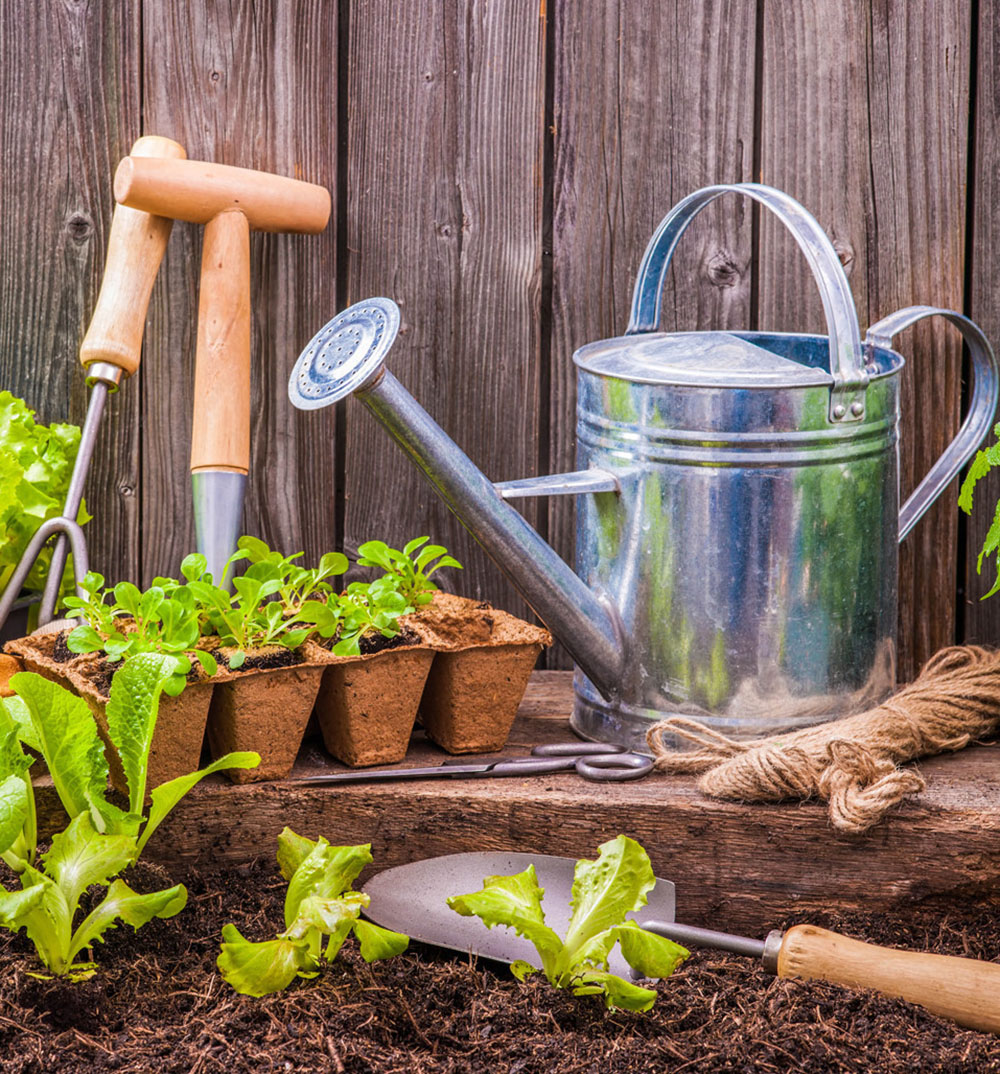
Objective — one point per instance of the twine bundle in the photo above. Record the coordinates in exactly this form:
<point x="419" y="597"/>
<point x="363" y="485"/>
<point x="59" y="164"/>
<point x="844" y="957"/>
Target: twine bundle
<point x="850" y="763"/>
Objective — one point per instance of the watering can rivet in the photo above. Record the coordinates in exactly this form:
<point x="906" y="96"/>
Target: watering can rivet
<point x="839" y="410"/>
<point x="857" y="409"/>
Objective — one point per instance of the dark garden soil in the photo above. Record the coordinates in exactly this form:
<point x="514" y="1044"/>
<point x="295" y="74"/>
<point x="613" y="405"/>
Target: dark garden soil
<point x="158" y="1004"/>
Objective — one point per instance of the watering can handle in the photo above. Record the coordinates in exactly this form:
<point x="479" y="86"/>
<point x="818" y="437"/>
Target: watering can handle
<point x="847" y="365"/>
<point x="982" y="408"/>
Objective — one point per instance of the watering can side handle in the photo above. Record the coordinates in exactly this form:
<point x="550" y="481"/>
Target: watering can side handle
<point x="982" y="408"/>
<point x="847" y="365"/>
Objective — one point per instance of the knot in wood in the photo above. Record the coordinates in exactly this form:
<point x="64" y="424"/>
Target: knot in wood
<point x="845" y="252"/>
<point x="80" y="227"/>
<point x="723" y="270"/>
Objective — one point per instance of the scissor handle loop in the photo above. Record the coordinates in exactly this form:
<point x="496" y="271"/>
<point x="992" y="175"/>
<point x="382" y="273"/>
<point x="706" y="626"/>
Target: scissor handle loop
<point x="614" y="767"/>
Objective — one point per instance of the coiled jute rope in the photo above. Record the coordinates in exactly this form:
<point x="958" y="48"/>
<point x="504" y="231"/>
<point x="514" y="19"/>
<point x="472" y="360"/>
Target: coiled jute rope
<point x="851" y="763"/>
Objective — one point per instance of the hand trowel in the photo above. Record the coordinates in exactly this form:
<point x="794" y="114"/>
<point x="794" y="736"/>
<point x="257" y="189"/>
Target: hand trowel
<point x="411" y="899"/>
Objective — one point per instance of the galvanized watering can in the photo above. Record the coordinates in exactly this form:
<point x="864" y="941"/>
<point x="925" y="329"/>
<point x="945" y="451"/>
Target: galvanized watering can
<point x="738" y="500"/>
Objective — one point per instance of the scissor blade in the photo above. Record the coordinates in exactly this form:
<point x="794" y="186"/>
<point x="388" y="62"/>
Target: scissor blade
<point x="385" y="775"/>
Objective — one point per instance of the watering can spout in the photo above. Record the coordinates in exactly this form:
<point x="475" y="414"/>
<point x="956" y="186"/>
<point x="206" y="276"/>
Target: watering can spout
<point x="345" y="358"/>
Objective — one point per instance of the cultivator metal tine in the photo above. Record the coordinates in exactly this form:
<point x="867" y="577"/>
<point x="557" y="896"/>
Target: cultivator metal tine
<point x="69" y="530"/>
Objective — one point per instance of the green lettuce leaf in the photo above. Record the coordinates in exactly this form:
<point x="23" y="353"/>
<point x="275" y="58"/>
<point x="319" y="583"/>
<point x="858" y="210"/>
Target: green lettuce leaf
<point x="13" y="811"/>
<point x="81" y="856"/>
<point x="607" y="889"/>
<point x="17" y="906"/>
<point x="73" y="751"/>
<point x="515" y="902"/>
<point x="123" y="904"/>
<point x="648" y="953"/>
<point x="326" y="872"/>
<point x="35" y="468"/>
<point x="292" y="851"/>
<point x="616" y="990"/>
<point x="168" y="794"/>
<point x="131" y="713"/>
<point x="377" y="942"/>
<point x="258" y="969"/>
<point x="14" y="714"/>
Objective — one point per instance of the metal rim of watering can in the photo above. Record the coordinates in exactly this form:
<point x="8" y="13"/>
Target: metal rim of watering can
<point x="344" y="354"/>
<point x="847" y="363"/>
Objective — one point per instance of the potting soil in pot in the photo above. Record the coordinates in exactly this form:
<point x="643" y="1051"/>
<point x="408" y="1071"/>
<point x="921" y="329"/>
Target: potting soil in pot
<point x="480" y="671"/>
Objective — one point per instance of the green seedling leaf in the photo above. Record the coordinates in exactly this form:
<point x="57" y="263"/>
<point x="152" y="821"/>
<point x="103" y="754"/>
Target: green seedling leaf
<point x="84" y="639"/>
<point x="131" y="714"/>
<point x="377" y="942"/>
<point x="17" y="906"/>
<point x="123" y="904"/>
<point x="258" y="969"/>
<point x="73" y="751"/>
<point x="607" y="889"/>
<point x="515" y="902"/>
<point x="522" y="970"/>
<point x="80" y="856"/>
<point x="292" y="851"/>
<point x="604" y="891"/>
<point x="13" y="811"/>
<point x="168" y="794"/>
<point x="318" y="904"/>
<point x="618" y="993"/>
<point x="16" y="711"/>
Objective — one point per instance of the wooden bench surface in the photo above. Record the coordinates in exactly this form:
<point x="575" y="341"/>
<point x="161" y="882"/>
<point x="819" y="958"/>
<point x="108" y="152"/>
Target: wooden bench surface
<point x="736" y="866"/>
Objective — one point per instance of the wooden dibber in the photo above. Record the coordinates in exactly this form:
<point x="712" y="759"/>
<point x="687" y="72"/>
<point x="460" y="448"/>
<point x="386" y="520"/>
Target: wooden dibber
<point x="229" y="202"/>
<point x="964" y="990"/>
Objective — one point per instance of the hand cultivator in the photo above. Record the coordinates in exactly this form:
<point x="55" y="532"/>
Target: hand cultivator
<point x="110" y="350"/>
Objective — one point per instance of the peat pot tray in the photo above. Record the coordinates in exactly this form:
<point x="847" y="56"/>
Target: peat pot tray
<point x="736" y="866"/>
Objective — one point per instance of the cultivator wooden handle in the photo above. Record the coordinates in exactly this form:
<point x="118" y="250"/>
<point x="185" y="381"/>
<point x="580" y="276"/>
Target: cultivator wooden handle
<point x="136" y="245"/>
<point x="963" y="989"/>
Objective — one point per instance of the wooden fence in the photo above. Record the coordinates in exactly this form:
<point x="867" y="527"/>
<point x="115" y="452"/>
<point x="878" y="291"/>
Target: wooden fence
<point x="497" y="169"/>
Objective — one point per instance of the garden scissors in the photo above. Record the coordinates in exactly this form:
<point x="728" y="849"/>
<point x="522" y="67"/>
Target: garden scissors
<point x="596" y="761"/>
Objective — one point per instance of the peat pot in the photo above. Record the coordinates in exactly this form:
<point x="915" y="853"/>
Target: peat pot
<point x="737" y="500"/>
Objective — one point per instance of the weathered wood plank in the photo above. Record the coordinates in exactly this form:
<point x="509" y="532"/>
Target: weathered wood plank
<point x="69" y="94"/>
<point x="865" y="115"/>
<point x="254" y="86"/>
<point x="651" y="102"/>
<point x="982" y="618"/>
<point x="736" y="866"/>
<point x="444" y="172"/>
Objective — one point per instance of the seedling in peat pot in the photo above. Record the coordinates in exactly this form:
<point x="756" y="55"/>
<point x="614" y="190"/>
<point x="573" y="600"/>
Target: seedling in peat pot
<point x="163" y="619"/>
<point x="248" y="619"/>
<point x="985" y="460"/>
<point x="101" y="840"/>
<point x="412" y="567"/>
<point x="604" y="891"/>
<point x="319" y="905"/>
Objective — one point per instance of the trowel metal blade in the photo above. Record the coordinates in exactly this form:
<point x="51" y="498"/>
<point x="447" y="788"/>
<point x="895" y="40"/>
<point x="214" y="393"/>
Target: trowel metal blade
<point x="411" y="899"/>
<point x="218" y="516"/>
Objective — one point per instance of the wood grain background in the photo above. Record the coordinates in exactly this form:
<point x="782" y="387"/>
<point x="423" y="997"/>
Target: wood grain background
<point x="497" y="169"/>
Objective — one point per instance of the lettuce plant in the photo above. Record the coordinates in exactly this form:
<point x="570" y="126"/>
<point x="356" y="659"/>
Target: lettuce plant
<point x="604" y="891"/>
<point x="35" y="468"/>
<point x="101" y="839"/>
<point x="320" y="911"/>
<point x="985" y="460"/>
<point x="412" y="567"/>
<point x="163" y="619"/>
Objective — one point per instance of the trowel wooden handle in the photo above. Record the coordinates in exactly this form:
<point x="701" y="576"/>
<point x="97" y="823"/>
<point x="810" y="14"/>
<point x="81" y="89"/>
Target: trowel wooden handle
<point x="135" y="249"/>
<point x="961" y="989"/>
<point x="220" y="436"/>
